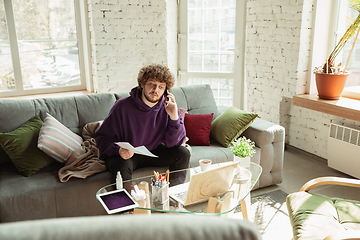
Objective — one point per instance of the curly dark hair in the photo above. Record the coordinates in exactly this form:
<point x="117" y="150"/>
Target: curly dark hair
<point x="156" y="71"/>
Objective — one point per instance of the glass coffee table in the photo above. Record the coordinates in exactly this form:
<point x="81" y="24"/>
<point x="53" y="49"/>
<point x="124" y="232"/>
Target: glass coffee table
<point x="223" y="204"/>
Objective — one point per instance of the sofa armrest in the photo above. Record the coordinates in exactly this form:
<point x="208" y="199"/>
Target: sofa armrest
<point x="270" y="138"/>
<point x="263" y="132"/>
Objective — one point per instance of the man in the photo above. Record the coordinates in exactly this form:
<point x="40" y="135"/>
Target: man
<point x="145" y="118"/>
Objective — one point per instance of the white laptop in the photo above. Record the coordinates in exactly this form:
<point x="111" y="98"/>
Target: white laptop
<point x="203" y="185"/>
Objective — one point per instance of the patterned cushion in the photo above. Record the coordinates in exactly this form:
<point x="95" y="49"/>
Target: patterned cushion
<point x="56" y="140"/>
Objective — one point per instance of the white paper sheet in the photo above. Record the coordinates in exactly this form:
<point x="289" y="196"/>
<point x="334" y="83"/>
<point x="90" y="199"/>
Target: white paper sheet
<point x="138" y="150"/>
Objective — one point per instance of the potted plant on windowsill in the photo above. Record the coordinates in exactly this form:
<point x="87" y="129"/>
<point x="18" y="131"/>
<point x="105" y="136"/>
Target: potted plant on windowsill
<point x="331" y="79"/>
<point x="243" y="149"/>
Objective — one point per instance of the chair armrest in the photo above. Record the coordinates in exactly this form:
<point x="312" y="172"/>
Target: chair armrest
<point x="330" y="181"/>
<point x="344" y="235"/>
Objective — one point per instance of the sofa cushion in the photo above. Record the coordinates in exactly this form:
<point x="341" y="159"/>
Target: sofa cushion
<point x="230" y="124"/>
<point x="180" y="98"/>
<point x="14" y="113"/>
<point x="199" y="99"/>
<point x="20" y="145"/>
<point x="64" y="109"/>
<point x="121" y="95"/>
<point x="216" y="152"/>
<point x="92" y="108"/>
<point x="44" y="196"/>
<point x="56" y="140"/>
<point x="198" y="128"/>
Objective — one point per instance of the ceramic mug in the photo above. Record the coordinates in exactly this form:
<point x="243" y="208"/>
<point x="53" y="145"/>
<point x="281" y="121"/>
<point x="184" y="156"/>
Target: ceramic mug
<point x="204" y="164"/>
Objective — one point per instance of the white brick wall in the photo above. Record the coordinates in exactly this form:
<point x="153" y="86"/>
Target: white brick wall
<point x="272" y="46"/>
<point x="277" y="67"/>
<point x="309" y="129"/>
<point x="125" y="35"/>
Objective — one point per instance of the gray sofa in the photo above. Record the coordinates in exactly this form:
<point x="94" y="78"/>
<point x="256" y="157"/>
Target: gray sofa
<point x="135" y="227"/>
<point x="44" y="196"/>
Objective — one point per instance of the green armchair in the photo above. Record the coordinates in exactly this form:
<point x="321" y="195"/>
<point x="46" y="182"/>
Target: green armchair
<point x="315" y="216"/>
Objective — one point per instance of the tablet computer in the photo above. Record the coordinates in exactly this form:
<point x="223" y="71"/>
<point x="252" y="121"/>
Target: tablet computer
<point x="117" y="201"/>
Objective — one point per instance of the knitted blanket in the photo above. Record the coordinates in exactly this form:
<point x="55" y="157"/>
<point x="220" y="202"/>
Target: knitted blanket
<point x="85" y="160"/>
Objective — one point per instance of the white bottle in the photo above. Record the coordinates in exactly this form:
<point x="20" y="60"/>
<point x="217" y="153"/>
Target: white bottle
<point x="119" y="181"/>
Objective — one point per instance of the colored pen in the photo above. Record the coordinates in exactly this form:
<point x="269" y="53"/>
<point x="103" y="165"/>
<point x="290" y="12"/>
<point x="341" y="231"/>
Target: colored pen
<point x="156" y="176"/>
<point x="167" y="176"/>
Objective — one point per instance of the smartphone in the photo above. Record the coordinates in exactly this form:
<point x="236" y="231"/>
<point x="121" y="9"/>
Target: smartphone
<point x="166" y="96"/>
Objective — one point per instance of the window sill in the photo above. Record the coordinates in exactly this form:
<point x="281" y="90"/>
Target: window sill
<point x="52" y="95"/>
<point x="344" y="107"/>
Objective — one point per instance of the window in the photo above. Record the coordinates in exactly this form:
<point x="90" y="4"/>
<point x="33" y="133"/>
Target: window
<point x="210" y="47"/>
<point x="39" y="47"/>
<point x="352" y="87"/>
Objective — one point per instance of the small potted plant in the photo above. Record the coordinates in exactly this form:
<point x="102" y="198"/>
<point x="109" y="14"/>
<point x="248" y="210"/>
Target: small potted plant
<point x="243" y="149"/>
<point x="330" y="79"/>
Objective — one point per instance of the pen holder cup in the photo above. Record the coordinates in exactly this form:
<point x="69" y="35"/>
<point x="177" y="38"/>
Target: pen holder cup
<point x="160" y="194"/>
<point x="162" y="206"/>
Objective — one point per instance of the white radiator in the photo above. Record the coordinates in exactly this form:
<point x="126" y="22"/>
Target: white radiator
<point x="344" y="149"/>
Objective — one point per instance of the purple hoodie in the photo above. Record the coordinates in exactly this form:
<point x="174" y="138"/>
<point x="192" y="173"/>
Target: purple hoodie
<point x="131" y="120"/>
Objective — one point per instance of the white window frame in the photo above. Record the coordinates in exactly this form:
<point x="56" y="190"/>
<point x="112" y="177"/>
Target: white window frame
<point x="325" y="26"/>
<point x="349" y="91"/>
<point x="83" y="35"/>
<point x="238" y="76"/>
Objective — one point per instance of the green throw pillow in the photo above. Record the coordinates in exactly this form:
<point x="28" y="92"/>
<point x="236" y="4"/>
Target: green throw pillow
<point x="21" y="146"/>
<point x="230" y="124"/>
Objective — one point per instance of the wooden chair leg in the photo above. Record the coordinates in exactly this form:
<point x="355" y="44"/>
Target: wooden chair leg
<point x="246" y="207"/>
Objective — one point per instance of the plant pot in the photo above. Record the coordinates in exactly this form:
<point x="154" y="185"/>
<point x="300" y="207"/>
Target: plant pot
<point x="330" y="86"/>
<point x="243" y="162"/>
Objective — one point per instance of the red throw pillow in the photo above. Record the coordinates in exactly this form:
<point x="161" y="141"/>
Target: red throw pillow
<point x="198" y="128"/>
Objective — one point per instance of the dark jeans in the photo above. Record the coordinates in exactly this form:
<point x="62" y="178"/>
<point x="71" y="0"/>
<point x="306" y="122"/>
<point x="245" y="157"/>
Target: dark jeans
<point x="175" y="158"/>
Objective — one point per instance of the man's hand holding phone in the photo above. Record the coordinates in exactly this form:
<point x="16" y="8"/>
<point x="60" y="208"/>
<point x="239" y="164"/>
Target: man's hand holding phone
<point x="170" y="106"/>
